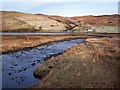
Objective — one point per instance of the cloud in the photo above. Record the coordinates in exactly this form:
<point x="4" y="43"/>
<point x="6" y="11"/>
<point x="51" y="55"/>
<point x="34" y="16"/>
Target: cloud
<point x="21" y="6"/>
<point x="33" y="1"/>
<point x="63" y="8"/>
<point x="61" y="1"/>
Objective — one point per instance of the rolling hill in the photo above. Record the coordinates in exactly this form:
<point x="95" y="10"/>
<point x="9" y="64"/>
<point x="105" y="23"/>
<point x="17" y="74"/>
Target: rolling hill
<point x="13" y="21"/>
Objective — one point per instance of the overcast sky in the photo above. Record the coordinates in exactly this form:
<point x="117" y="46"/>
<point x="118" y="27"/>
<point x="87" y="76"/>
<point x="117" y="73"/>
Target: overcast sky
<point x="62" y="8"/>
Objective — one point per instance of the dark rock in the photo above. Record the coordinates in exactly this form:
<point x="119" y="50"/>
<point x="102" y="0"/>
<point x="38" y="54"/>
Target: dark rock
<point x="12" y="78"/>
<point x="9" y="73"/>
<point x="11" y="67"/>
<point x="15" y="64"/>
<point x="24" y="69"/>
<point x="19" y="71"/>
<point x="33" y="64"/>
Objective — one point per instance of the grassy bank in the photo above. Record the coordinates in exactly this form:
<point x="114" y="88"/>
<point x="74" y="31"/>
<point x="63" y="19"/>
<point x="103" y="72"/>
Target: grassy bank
<point x="92" y="64"/>
<point x="19" y="42"/>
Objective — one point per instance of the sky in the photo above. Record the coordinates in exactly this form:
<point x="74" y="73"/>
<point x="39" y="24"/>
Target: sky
<point x="59" y="7"/>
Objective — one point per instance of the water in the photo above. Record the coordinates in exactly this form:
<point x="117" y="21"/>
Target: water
<point x="42" y="33"/>
<point x="27" y="33"/>
<point x="18" y="67"/>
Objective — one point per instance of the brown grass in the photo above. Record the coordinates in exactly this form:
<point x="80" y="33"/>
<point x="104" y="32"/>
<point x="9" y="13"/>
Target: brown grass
<point x="13" y="43"/>
<point x="92" y="64"/>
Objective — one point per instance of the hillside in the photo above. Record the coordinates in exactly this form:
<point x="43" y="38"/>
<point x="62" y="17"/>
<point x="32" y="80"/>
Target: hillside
<point x="104" y="23"/>
<point x="21" y="22"/>
<point x="106" y="20"/>
<point x="16" y="21"/>
<point x="91" y="64"/>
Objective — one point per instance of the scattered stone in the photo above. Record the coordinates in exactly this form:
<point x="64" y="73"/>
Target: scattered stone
<point x="24" y="69"/>
<point x="19" y="71"/>
<point x="15" y="64"/>
<point x="33" y="64"/>
<point x="12" y="78"/>
<point x="9" y="73"/>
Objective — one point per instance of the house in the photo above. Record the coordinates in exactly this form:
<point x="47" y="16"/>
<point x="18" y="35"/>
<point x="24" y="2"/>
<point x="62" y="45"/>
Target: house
<point x="90" y="30"/>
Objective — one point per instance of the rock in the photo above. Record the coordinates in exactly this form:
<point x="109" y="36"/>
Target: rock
<point x="33" y="64"/>
<point x="41" y="73"/>
<point x="9" y="73"/>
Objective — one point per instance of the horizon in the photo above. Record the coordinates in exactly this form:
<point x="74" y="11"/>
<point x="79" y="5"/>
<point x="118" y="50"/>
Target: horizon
<point x="57" y="15"/>
<point x="66" y="9"/>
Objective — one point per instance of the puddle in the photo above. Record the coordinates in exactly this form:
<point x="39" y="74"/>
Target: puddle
<point x="18" y="67"/>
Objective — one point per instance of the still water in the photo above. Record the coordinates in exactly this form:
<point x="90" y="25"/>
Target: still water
<point x="18" y="67"/>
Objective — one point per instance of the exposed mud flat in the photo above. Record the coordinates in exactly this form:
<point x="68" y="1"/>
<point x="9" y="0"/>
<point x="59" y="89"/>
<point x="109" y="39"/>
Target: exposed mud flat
<point x="92" y="64"/>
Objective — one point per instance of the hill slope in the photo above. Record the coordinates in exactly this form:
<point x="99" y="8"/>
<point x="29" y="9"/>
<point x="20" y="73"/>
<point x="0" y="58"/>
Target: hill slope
<point x="21" y="22"/>
<point x="16" y="21"/>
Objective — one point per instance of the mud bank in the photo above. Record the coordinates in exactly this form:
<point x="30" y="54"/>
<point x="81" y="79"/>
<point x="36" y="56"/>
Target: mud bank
<point x="93" y="64"/>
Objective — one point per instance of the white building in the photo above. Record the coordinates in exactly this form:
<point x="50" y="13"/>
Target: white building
<point x="90" y="30"/>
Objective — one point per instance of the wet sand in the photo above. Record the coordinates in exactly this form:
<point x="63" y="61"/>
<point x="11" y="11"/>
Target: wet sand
<point x="92" y="64"/>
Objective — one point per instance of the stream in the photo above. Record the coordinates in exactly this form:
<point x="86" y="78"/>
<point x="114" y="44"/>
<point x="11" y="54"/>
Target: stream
<point x="18" y="67"/>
